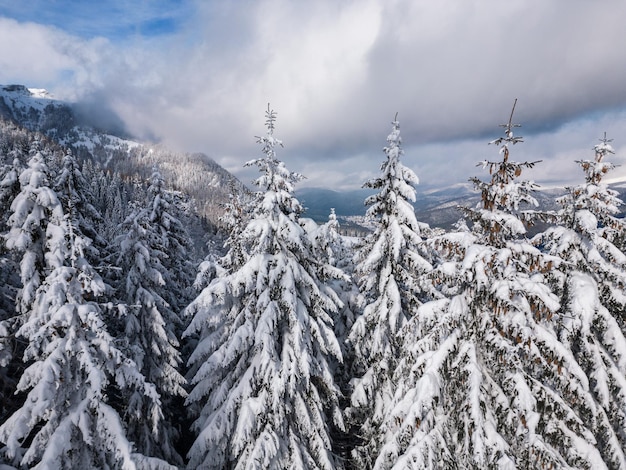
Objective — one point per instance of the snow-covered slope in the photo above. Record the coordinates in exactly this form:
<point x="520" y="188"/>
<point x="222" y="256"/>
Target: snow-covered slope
<point x="20" y="97"/>
<point x="71" y="125"/>
<point x="29" y="107"/>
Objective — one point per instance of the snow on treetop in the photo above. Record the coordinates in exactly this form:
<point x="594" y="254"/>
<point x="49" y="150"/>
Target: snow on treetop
<point x="603" y="148"/>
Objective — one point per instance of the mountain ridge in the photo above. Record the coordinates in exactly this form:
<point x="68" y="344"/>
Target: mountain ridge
<point x="69" y="124"/>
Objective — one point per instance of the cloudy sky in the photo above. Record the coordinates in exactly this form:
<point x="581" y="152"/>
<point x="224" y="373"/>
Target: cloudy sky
<point x="198" y="75"/>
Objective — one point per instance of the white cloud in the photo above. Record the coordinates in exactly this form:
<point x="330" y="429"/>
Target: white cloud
<point x="28" y="52"/>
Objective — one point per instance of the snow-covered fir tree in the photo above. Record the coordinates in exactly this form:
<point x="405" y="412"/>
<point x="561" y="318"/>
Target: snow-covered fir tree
<point x="390" y="268"/>
<point x="31" y="203"/>
<point x="331" y="248"/>
<point x="484" y="380"/>
<point x="151" y="256"/>
<point x="110" y="196"/>
<point x="173" y="239"/>
<point x="335" y="252"/>
<point x="35" y="204"/>
<point x="73" y="363"/>
<point x="328" y="242"/>
<point x="9" y="189"/>
<point x="236" y="215"/>
<point x="9" y="285"/>
<point x="263" y="391"/>
<point x="592" y="285"/>
<point x="75" y="192"/>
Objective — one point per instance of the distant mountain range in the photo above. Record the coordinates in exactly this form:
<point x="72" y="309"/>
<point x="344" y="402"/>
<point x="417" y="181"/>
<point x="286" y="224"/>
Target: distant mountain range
<point x="436" y="207"/>
<point x="103" y="139"/>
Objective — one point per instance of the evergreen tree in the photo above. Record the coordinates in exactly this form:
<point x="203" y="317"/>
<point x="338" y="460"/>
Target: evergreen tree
<point x="31" y="208"/>
<point x="332" y="250"/>
<point x="390" y="268"/>
<point x="327" y="241"/>
<point x="111" y="198"/>
<point x="9" y="270"/>
<point x="263" y="388"/>
<point x="237" y="214"/>
<point x="31" y="203"/>
<point x="151" y="256"/>
<point x="166" y="213"/>
<point x="118" y="204"/>
<point x="73" y="363"/>
<point x="484" y="381"/>
<point x="9" y="188"/>
<point x="74" y="191"/>
<point x="9" y="285"/>
<point x="592" y="285"/>
<point x="498" y="217"/>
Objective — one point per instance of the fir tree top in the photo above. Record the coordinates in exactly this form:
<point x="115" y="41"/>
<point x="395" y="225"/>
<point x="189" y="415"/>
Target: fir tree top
<point x="276" y="180"/>
<point x="498" y="216"/>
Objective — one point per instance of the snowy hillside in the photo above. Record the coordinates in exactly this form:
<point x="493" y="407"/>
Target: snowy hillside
<point x="70" y="125"/>
<point x="16" y="102"/>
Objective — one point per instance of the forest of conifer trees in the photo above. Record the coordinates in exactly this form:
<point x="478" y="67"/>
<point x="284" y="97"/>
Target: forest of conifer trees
<point x="276" y="343"/>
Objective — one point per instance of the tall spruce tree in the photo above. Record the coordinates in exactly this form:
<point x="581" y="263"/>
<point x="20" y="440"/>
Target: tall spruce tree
<point x="236" y="216"/>
<point x="9" y="189"/>
<point x="172" y="239"/>
<point x="484" y="380"/>
<point x="390" y="269"/>
<point x="73" y="362"/>
<point x="10" y="361"/>
<point x="151" y="255"/>
<point x="9" y="186"/>
<point x="334" y="252"/>
<point x="592" y="285"/>
<point x="31" y="202"/>
<point x="327" y="241"/>
<point x="331" y="248"/>
<point x="30" y="209"/>
<point x="74" y="191"/>
<point x="264" y="394"/>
